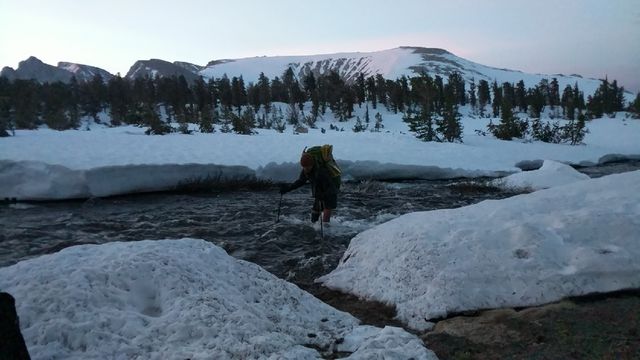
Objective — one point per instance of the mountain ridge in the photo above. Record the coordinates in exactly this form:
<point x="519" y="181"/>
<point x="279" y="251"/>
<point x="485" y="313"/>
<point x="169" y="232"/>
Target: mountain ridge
<point x="391" y="64"/>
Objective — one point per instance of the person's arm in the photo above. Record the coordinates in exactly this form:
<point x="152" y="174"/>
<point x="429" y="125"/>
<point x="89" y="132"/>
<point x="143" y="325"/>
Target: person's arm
<point x="302" y="179"/>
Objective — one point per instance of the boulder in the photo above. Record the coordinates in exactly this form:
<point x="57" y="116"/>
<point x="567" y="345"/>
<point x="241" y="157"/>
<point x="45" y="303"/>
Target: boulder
<point x="12" y="345"/>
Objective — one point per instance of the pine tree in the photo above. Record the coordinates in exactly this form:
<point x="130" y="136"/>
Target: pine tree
<point x="521" y="96"/>
<point x="253" y="97"/>
<point x="449" y="125"/>
<point x="568" y="103"/>
<point x="510" y="126"/>
<point x="372" y="91"/>
<point x="224" y="89"/>
<point x="421" y="124"/>
<point x="484" y="96"/>
<point x="508" y="94"/>
<point x="178" y="97"/>
<point x="311" y="88"/>
<point x="536" y="101"/>
<point x="72" y="103"/>
<point x="309" y="83"/>
<point x="359" y="126"/>
<point x="554" y="93"/>
<point x="277" y="120"/>
<point x="472" y="94"/>
<point x="264" y="92"/>
<point x="544" y="131"/>
<point x="245" y="123"/>
<point x="497" y="99"/>
<point x="360" y="89"/>
<point x="206" y="120"/>
<point x="238" y="93"/>
<point x="151" y="119"/>
<point x="543" y="87"/>
<point x="278" y="91"/>
<point x="334" y="89"/>
<point x="225" y="119"/>
<point x="25" y="98"/>
<point x="347" y="103"/>
<point x="293" y="115"/>
<point x="456" y="82"/>
<point x="578" y="96"/>
<point x="55" y="96"/>
<point x="94" y="97"/>
<point x="201" y="96"/>
<point x="378" y="125"/>
<point x="213" y="93"/>
<point x="438" y="94"/>
<point x="144" y="92"/>
<point x="5" y="107"/>
<point x="575" y="131"/>
<point x="381" y="90"/>
<point x="635" y="106"/>
<point x="618" y="97"/>
<point x="395" y="95"/>
<point x="289" y="82"/>
<point x="119" y="97"/>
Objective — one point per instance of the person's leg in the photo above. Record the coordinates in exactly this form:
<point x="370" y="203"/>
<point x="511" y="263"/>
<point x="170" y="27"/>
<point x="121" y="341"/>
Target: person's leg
<point x="315" y="211"/>
<point x="329" y="203"/>
<point x="326" y="215"/>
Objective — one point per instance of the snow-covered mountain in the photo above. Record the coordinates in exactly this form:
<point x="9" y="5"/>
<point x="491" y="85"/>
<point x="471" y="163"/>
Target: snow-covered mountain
<point x="391" y="64"/>
<point x="85" y="72"/>
<point x="34" y="68"/>
<point x="156" y="67"/>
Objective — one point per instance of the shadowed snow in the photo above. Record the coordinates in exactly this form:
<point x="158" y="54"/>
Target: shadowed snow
<point x="526" y="250"/>
<point x="182" y="299"/>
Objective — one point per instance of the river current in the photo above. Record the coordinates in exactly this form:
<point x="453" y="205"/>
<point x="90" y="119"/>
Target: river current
<point x="245" y="223"/>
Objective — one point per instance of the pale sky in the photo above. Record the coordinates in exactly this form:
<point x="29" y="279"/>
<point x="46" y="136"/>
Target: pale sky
<point x="593" y="38"/>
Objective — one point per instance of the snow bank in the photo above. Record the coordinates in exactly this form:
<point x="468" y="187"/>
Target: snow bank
<point x="522" y="251"/>
<point x="178" y="299"/>
<point x="34" y="180"/>
<point x="552" y="173"/>
<point x="47" y="164"/>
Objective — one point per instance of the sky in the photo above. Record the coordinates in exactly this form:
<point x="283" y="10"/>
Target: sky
<point x="592" y="38"/>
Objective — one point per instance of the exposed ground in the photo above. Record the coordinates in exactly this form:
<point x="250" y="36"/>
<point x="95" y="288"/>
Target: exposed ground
<point x="605" y="326"/>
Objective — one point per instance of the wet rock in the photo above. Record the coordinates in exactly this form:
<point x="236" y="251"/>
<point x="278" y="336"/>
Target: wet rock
<point x="528" y="165"/>
<point x="12" y="345"/>
<point x="587" y="327"/>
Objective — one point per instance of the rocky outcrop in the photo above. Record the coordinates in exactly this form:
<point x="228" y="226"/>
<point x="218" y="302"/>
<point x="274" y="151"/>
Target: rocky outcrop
<point x="33" y="68"/>
<point x="12" y="345"/>
<point x="160" y="68"/>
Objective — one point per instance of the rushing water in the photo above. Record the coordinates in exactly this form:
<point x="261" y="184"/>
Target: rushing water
<point x="242" y="222"/>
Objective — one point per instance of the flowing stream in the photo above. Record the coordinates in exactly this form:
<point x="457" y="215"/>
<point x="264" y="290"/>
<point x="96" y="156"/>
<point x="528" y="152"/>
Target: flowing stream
<point x="242" y="222"/>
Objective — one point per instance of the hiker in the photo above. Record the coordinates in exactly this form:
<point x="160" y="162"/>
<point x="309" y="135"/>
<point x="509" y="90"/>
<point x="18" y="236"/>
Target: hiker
<point x="319" y="169"/>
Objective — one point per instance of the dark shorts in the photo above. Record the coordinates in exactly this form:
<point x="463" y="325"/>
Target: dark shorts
<point x="329" y="202"/>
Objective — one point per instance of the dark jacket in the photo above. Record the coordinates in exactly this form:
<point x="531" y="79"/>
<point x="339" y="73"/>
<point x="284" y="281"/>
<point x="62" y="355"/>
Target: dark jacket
<point x="322" y="185"/>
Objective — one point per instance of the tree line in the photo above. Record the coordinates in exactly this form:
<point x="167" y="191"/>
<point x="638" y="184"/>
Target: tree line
<point x="429" y="103"/>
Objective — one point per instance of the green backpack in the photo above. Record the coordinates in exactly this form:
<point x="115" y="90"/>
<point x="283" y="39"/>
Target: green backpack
<point x="323" y="156"/>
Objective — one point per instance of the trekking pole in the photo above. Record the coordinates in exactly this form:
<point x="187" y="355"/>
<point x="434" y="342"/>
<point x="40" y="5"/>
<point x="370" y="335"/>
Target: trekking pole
<point x="322" y="220"/>
<point x="279" y="205"/>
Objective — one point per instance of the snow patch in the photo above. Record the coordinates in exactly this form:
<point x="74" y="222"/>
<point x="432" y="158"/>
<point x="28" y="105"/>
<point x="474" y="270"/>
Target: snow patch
<point x="550" y="174"/>
<point x="173" y="299"/>
<point x="526" y="250"/>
